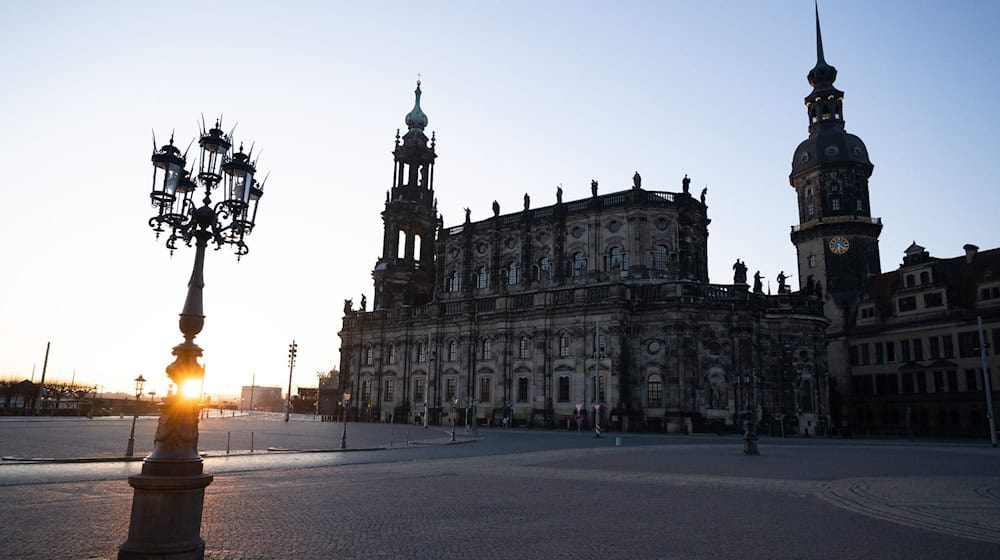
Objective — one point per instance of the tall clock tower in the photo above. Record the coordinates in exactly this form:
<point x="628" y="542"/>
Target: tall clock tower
<point x="837" y="237"/>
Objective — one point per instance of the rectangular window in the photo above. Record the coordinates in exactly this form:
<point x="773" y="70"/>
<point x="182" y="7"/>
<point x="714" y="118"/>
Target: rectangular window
<point x="908" y="303"/>
<point x="486" y="389"/>
<point x="933" y="300"/>
<point x="418" y="389"/>
<point x="947" y="347"/>
<point x="600" y="388"/>
<point x="387" y="394"/>
<point x="564" y="389"/>
<point x="890" y="351"/>
<point x="421" y="352"/>
<point x="939" y="382"/>
<point x="487" y="349"/>
<point x="968" y="344"/>
<point x="452" y="351"/>
<point x="366" y="391"/>
<point x="450" y="388"/>
<point x="971" y="380"/>
<point x="880" y="352"/>
<point x="921" y="381"/>
<point x="522" y="348"/>
<point x="952" y="378"/>
<point x="564" y="346"/>
<point x="935" y="347"/>
<point x="834" y="203"/>
<point x="918" y="349"/>
<point x="904" y="350"/>
<point x="522" y="389"/>
<point x="654" y="392"/>
<point x="907" y="383"/>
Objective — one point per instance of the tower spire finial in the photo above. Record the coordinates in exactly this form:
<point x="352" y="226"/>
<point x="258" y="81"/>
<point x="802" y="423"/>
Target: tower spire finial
<point x="819" y="37"/>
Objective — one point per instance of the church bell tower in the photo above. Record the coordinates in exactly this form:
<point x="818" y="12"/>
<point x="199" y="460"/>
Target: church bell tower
<point x="836" y="238"/>
<point x="404" y="275"/>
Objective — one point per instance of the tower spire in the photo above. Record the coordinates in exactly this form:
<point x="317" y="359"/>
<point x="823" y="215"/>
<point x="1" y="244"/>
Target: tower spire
<point x="819" y="38"/>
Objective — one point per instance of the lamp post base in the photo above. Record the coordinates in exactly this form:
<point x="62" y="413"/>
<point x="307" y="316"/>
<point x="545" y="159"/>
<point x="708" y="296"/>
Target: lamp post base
<point x="750" y="444"/>
<point x="166" y="515"/>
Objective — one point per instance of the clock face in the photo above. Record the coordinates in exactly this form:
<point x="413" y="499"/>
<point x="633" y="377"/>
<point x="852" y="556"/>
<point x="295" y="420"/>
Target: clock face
<point x="839" y="245"/>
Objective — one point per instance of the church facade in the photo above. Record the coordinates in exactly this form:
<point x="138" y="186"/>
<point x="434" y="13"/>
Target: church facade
<point x="592" y="310"/>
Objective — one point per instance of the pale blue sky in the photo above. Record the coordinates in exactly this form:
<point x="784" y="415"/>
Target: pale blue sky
<point x="523" y="96"/>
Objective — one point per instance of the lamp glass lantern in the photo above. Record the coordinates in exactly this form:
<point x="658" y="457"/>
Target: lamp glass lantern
<point x="214" y="146"/>
<point x="239" y="173"/>
<point x="168" y="173"/>
<point x="140" y="382"/>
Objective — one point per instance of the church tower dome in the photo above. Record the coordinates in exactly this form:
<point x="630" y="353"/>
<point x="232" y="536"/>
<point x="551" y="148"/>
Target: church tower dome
<point x="836" y="237"/>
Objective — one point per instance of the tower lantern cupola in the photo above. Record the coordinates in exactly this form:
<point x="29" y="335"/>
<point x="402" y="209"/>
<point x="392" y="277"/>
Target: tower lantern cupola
<point x="404" y="273"/>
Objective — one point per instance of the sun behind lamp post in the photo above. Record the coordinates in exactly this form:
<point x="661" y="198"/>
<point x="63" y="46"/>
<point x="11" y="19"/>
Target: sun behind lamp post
<point x="169" y="493"/>
<point x="139" y="382"/>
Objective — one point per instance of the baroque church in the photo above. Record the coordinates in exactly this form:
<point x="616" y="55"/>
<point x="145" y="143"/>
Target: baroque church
<point x="593" y="311"/>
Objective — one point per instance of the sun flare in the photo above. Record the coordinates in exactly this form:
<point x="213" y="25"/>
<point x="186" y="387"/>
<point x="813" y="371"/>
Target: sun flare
<point x="191" y="389"/>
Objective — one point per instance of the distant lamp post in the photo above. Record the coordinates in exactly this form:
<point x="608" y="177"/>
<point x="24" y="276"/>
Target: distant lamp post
<point x="293" y="351"/>
<point x="750" y="413"/>
<point x="343" y="437"/>
<point x="170" y="491"/>
<point x="454" y="412"/>
<point x="139" y="382"/>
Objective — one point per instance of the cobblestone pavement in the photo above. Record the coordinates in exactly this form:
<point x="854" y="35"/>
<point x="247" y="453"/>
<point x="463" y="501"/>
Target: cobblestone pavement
<point x="682" y="501"/>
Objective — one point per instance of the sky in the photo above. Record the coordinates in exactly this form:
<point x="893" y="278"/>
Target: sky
<point x="524" y="96"/>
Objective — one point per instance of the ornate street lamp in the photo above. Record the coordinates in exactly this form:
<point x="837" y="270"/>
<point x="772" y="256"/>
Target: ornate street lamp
<point x="139" y="382"/>
<point x="169" y="493"/>
<point x="343" y="437"/>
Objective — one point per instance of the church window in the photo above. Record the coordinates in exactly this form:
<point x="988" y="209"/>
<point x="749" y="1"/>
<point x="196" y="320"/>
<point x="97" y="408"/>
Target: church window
<point x="418" y="389"/>
<point x="452" y="350"/>
<point x="578" y="264"/>
<point x="861" y="206"/>
<point x="522" y="347"/>
<point x="366" y="391"/>
<point x="388" y="394"/>
<point x="812" y="261"/>
<point x="369" y="355"/>
<point x="835" y="204"/>
<point x="392" y="354"/>
<point x="401" y="245"/>
<point x="485" y="389"/>
<point x="617" y="259"/>
<point x="522" y="389"/>
<point x="544" y="266"/>
<point x="450" y="388"/>
<point x="416" y="247"/>
<point x="421" y="352"/>
<point x="564" y="389"/>
<point x="810" y="206"/>
<point x="487" y="349"/>
<point x="564" y="345"/>
<point x="654" y="391"/>
<point x="513" y="273"/>
<point x="453" y="284"/>
<point x="660" y="257"/>
<point x="483" y="278"/>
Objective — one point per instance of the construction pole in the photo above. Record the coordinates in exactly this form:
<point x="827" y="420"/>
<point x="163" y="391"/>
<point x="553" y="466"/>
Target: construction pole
<point x="41" y="384"/>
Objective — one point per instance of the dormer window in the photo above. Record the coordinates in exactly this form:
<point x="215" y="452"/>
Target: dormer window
<point x="868" y="312"/>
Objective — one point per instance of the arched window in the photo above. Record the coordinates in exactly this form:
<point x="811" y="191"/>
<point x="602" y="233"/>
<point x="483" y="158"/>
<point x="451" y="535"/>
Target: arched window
<point x="392" y="354"/>
<point x="416" y="247"/>
<point x="485" y="389"/>
<point x="522" y="348"/>
<point x="450" y="388"/>
<point x="369" y="355"/>
<point x="487" y="353"/>
<point x="543" y="268"/>
<point x="452" y="284"/>
<point x="660" y="257"/>
<point x="909" y="280"/>
<point x="483" y="278"/>
<point x="654" y="391"/>
<point x="421" y="352"/>
<point x="418" y="389"/>
<point x="805" y="396"/>
<point x="578" y="264"/>
<point x="401" y="245"/>
<point x="925" y="277"/>
<point x="564" y="345"/>
<point x="513" y="273"/>
<point x="452" y="351"/>
<point x="387" y="393"/>
<point x="366" y="391"/>
<point x="810" y="207"/>
<point x="617" y="260"/>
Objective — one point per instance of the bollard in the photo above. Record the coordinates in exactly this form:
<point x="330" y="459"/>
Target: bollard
<point x="251" y="442"/>
<point x="618" y="442"/>
<point x="227" y="441"/>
